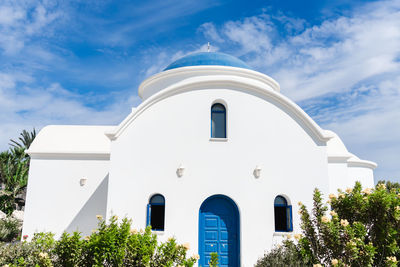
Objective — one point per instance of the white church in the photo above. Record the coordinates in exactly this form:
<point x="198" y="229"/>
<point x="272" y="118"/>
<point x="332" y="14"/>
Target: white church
<point x="214" y="155"/>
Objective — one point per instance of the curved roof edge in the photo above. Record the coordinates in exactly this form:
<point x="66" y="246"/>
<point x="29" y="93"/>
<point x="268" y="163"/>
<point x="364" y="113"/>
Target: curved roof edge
<point x="354" y="161"/>
<point x="335" y="147"/>
<point x="239" y="82"/>
<point x="337" y="152"/>
<point x="190" y="71"/>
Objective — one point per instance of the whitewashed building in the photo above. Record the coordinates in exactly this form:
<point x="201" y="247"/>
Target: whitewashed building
<point x="215" y="155"/>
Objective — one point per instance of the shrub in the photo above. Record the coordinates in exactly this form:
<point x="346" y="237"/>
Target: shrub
<point x="214" y="259"/>
<point x="70" y="250"/>
<point x="332" y="239"/>
<point x="18" y="254"/>
<point x="287" y="254"/>
<point x="37" y="252"/>
<point x="362" y="229"/>
<point x="170" y="252"/>
<point x="112" y="244"/>
<point x="141" y="247"/>
<point x="378" y="210"/>
<point x="107" y="245"/>
<point x="9" y="229"/>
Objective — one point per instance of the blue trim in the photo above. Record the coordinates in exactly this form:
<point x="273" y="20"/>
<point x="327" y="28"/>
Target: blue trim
<point x="290" y="219"/>
<point x="148" y="215"/>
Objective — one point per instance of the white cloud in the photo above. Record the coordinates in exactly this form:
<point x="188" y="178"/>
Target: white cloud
<point x="28" y="51"/>
<point x="253" y="34"/>
<point x="27" y="107"/>
<point x="345" y="72"/>
<point x="9" y="15"/>
<point x="210" y="32"/>
<point x="22" y="20"/>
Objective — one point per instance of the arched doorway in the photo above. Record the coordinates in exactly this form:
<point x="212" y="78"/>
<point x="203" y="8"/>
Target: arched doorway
<point x="219" y="231"/>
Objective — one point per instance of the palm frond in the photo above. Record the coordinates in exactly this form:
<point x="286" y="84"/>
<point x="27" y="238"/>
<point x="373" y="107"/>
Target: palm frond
<point x="25" y="140"/>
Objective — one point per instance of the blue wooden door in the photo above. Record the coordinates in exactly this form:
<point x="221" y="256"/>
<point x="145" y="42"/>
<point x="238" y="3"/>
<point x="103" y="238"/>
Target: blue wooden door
<point x="219" y="231"/>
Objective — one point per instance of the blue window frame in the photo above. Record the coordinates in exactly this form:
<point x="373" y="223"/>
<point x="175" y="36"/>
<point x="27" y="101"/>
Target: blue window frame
<point x="218" y="121"/>
<point x="283" y="215"/>
<point x="156" y="212"/>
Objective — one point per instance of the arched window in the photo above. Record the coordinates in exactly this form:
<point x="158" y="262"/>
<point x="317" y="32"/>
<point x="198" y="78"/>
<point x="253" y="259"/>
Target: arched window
<point x="218" y="121"/>
<point x="156" y="212"/>
<point x="283" y="215"/>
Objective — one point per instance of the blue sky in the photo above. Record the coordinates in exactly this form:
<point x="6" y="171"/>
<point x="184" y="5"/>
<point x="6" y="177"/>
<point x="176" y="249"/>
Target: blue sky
<point x="80" y="62"/>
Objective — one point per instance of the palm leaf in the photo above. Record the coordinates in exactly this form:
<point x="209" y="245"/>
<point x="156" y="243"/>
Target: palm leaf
<point x="25" y="140"/>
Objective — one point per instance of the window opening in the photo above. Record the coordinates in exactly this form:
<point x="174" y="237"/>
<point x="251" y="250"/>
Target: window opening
<point x="283" y="215"/>
<point x="218" y="121"/>
<point x="156" y="212"/>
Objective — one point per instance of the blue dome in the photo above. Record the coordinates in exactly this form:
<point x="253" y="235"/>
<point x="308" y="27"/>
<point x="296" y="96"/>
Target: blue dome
<point x="207" y="58"/>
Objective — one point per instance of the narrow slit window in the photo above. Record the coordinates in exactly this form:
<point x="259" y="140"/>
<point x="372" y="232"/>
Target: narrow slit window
<point x="218" y="121"/>
<point x="156" y="212"/>
<point x="283" y="215"/>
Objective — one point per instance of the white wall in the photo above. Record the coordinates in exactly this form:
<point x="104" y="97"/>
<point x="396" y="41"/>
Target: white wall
<point x="56" y="201"/>
<point x="342" y="175"/>
<point x="338" y="177"/>
<point x="361" y="174"/>
<point x="176" y="131"/>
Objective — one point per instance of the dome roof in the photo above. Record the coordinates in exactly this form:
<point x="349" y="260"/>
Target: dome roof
<point x="207" y="58"/>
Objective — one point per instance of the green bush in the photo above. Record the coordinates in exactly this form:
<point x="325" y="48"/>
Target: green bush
<point x="70" y="250"/>
<point x="286" y="254"/>
<point x="37" y="252"/>
<point x="378" y="211"/>
<point x="9" y="229"/>
<point x="214" y="259"/>
<point x="17" y="254"/>
<point x="332" y="240"/>
<point x="107" y="245"/>
<point x="112" y="244"/>
<point x="362" y="229"/>
<point x="141" y="247"/>
<point x="170" y="252"/>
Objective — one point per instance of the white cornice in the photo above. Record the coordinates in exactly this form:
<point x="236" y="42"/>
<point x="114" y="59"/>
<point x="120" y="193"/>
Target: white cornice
<point x="361" y="163"/>
<point x="351" y="161"/>
<point x="223" y="81"/>
<point x="338" y="159"/>
<point x="208" y="70"/>
<point x="91" y="155"/>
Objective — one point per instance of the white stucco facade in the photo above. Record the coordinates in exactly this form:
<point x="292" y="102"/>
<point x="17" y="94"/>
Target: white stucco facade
<point x="125" y="165"/>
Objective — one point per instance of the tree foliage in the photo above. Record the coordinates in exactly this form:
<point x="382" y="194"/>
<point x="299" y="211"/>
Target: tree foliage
<point x="332" y="238"/>
<point x="14" y="167"/>
<point x="378" y="210"/>
<point x="25" y="140"/>
<point x="356" y="227"/>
